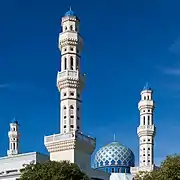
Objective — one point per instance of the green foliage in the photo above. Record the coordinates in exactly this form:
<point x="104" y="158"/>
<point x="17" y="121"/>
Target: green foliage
<point x="53" y="170"/>
<point x="147" y="175"/>
<point x="169" y="170"/>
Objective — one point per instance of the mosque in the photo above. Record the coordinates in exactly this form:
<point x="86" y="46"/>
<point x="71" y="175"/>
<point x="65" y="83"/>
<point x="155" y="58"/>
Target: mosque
<point x="113" y="161"/>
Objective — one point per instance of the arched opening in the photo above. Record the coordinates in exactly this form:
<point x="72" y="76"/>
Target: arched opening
<point x="71" y="27"/>
<point x="143" y="120"/>
<point x="71" y="107"/>
<point x="13" y="146"/>
<point x="65" y="63"/>
<point x="77" y="63"/>
<point x="71" y="62"/>
<point x="148" y="120"/>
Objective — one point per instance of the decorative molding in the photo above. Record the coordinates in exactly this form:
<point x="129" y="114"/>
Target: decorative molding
<point x="61" y="146"/>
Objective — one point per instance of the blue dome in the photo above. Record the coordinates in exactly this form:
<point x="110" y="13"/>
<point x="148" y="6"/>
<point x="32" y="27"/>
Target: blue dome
<point x="69" y="13"/>
<point x="114" y="154"/>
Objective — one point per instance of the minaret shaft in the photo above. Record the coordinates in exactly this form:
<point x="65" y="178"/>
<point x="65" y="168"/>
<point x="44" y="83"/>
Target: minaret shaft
<point x="146" y="130"/>
<point x="69" y="81"/>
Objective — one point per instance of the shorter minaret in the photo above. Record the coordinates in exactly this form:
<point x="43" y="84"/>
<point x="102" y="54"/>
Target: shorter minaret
<point x="146" y="130"/>
<point x="14" y="137"/>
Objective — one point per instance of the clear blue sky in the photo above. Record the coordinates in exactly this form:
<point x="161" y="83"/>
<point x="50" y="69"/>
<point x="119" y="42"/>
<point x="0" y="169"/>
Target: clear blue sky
<point x="126" y="43"/>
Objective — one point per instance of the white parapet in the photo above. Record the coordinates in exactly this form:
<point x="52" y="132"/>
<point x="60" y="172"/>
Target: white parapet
<point x="67" y="74"/>
<point x="75" y="38"/>
<point x="145" y="103"/>
<point x="59" y="141"/>
<point x="69" y="136"/>
<point x="146" y="130"/>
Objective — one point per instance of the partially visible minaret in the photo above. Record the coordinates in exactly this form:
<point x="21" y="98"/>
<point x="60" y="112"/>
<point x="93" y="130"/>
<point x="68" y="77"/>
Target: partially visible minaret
<point x="146" y="130"/>
<point x="14" y="138"/>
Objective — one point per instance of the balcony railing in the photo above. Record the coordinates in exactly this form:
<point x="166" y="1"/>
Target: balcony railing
<point x="71" y="74"/>
<point x="69" y="136"/>
<point x="146" y="127"/>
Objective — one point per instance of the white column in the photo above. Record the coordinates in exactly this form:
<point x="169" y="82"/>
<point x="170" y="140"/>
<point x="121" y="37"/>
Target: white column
<point x="70" y="83"/>
<point x="146" y="130"/>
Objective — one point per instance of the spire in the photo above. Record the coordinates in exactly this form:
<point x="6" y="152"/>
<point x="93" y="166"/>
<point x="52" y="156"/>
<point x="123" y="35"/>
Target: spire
<point x="114" y="137"/>
<point x="69" y="12"/>
<point x="14" y="121"/>
<point x="147" y="87"/>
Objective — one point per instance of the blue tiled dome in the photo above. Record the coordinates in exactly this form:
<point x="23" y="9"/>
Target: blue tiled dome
<point x="70" y="13"/>
<point x="114" y="154"/>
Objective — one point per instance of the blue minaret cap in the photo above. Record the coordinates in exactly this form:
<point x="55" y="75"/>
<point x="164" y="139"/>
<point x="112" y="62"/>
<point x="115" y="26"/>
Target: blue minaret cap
<point x="70" y="13"/>
<point x="146" y="87"/>
<point x="15" y="121"/>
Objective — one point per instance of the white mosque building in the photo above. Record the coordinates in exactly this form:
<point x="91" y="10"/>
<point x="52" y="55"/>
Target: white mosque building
<point x="113" y="161"/>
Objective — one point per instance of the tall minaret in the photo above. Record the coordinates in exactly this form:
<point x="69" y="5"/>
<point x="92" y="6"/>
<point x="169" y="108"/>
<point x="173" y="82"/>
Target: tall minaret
<point x="70" y="144"/>
<point x="69" y="81"/>
<point x="14" y="138"/>
<point x="146" y="130"/>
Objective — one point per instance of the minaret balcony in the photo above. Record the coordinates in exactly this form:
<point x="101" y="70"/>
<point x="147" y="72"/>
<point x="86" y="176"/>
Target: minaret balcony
<point x="73" y="77"/>
<point x="145" y="130"/>
<point x="12" y="152"/>
<point x="146" y="103"/>
<point x="13" y="133"/>
<point x="69" y="136"/>
<point x="67" y="74"/>
<point x="69" y="37"/>
<point x="69" y="140"/>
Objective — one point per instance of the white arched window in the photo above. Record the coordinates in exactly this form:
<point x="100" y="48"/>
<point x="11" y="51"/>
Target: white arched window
<point x="71" y="27"/>
<point x="143" y="120"/>
<point x="71" y="62"/>
<point x="65" y="63"/>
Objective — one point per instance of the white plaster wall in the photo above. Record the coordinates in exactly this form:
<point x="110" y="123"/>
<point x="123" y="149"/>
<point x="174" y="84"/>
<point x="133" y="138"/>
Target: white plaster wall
<point x="13" y="177"/>
<point x="121" y="176"/>
<point x="134" y="170"/>
<point x="67" y="155"/>
<point x="68" y="24"/>
<point x="68" y="112"/>
<point x="146" y="150"/>
<point x="16" y="162"/>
